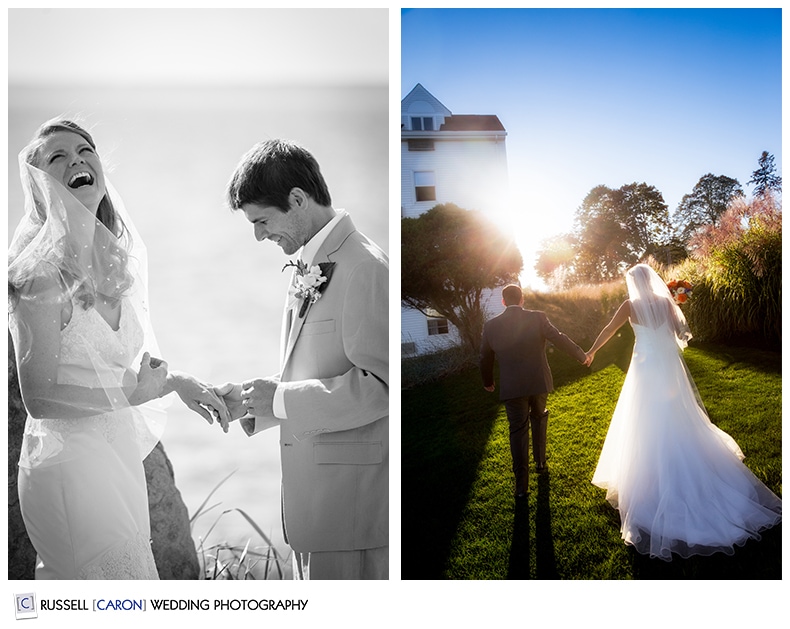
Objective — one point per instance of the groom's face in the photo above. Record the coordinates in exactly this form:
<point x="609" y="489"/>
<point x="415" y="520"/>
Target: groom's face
<point x="286" y="229"/>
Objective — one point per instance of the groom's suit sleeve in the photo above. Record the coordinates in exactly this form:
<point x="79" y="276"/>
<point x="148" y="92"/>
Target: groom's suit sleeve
<point x="560" y="340"/>
<point x="360" y="395"/>
<point x="486" y="359"/>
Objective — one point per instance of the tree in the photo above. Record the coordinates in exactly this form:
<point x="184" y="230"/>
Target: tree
<point x="705" y="204"/>
<point x="617" y="228"/>
<point x="554" y="262"/>
<point x="449" y="255"/>
<point x="763" y="178"/>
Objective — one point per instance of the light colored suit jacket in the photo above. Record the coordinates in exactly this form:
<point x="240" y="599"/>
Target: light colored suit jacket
<point x="335" y="443"/>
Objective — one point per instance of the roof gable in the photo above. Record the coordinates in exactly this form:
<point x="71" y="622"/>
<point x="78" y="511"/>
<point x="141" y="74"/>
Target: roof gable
<point x="421" y="101"/>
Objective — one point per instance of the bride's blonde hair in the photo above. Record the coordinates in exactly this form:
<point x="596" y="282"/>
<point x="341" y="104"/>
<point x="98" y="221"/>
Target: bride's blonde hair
<point x="74" y="281"/>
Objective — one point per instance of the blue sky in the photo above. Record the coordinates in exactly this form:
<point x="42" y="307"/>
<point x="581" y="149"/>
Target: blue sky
<point x="605" y="96"/>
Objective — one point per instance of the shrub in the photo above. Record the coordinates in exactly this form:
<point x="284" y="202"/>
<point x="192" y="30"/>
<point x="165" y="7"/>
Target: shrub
<point x="434" y="366"/>
<point x="736" y="269"/>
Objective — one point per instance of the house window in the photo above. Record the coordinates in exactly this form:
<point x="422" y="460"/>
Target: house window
<point x="421" y="144"/>
<point x="438" y="326"/>
<point x="425" y="186"/>
<point x="422" y="123"/>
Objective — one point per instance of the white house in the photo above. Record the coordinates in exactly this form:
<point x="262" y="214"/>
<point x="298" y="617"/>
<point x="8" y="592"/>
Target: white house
<point x="447" y="158"/>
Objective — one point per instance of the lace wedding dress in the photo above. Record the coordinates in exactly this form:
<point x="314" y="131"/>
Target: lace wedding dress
<point x="82" y="485"/>
<point x="82" y="488"/>
<point x="676" y="479"/>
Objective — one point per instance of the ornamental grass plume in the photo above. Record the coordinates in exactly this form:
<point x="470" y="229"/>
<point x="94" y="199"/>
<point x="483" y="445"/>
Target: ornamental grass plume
<point x="736" y="269"/>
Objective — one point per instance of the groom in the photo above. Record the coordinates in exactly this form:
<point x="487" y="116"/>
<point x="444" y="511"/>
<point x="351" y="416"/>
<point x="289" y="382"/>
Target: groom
<point x="517" y="339"/>
<point x="331" y="397"/>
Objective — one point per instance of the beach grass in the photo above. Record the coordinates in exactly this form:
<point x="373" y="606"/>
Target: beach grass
<point x="241" y="561"/>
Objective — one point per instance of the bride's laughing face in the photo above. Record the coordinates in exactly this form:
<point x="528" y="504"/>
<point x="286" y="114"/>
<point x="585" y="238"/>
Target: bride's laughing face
<point x="70" y="159"/>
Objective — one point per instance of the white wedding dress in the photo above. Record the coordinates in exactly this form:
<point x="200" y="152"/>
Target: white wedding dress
<point x="82" y="488"/>
<point x="676" y="479"/>
<point x="81" y="482"/>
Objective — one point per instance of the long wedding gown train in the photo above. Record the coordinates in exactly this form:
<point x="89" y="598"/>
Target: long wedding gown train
<point x="676" y="479"/>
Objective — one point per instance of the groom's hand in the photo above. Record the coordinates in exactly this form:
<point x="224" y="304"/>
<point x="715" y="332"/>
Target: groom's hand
<point x="490" y="388"/>
<point x="257" y="396"/>
<point x="231" y="395"/>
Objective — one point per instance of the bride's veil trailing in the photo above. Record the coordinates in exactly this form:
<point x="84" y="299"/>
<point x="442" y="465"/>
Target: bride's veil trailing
<point x="652" y="304"/>
<point x="62" y="254"/>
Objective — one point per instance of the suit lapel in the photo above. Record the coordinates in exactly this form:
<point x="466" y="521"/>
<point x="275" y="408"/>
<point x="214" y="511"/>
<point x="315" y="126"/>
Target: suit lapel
<point x="287" y="321"/>
<point x="333" y="242"/>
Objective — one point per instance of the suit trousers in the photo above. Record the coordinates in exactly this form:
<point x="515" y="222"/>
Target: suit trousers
<point x="368" y="563"/>
<point x="522" y="411"/>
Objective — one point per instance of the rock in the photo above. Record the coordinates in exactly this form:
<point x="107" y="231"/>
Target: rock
<point x="174" y="549"/>
<point x="21" y="555"/>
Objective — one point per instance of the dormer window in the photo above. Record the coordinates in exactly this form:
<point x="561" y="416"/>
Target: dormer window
<point x="422" y="123"/>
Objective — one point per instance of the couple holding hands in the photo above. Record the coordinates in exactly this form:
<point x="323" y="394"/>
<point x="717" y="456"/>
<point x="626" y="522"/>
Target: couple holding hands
<point x="677" y="480"/>
<point x="79" y="317"/>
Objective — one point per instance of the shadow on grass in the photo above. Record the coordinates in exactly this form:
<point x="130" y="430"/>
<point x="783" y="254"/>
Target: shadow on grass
<point x="545" y="561"/>
<point x="445" y="428"/>
<point x="755" y="560"/>
<point x="518" y="565"/>
<point x="761" y="360"/>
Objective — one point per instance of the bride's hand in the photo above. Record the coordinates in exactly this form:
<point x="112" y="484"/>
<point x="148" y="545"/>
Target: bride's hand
<point x="151" y="380"/>
<point x="590" y="358"/>
<point x="200" y="397"/>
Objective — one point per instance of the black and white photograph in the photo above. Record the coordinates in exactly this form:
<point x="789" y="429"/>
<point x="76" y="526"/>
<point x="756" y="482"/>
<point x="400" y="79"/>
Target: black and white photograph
<point x="198" y="294"/>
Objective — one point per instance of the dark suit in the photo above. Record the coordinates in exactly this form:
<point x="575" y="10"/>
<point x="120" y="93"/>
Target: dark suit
<point x="517" y="339"/>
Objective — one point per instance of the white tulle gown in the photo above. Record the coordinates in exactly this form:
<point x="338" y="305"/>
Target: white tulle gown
<point x="676" y="479"/>
<point x="82" y="488"/>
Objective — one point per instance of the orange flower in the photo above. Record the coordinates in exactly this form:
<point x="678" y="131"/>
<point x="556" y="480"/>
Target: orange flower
<point x="680" y="290"/>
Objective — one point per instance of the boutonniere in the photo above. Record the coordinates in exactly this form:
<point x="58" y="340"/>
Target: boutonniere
<point x="310" y="282"/>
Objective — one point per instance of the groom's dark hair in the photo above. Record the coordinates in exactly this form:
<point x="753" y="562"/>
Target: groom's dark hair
<point x="270" y="170"/>
<point x="512" y="295"/>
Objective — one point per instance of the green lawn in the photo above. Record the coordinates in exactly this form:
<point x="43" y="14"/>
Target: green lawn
<point x="459" y="517"/>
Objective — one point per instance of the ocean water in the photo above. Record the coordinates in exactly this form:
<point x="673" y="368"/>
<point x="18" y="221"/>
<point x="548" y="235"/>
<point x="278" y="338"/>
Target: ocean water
<point x="216" y="294"/>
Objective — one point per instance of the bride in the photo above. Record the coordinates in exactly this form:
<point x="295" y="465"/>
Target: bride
<point x="676" y="479"/>
<point x="79" y="320"/>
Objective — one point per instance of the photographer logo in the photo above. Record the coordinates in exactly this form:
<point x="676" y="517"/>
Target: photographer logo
<point x="25" y="606"/>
